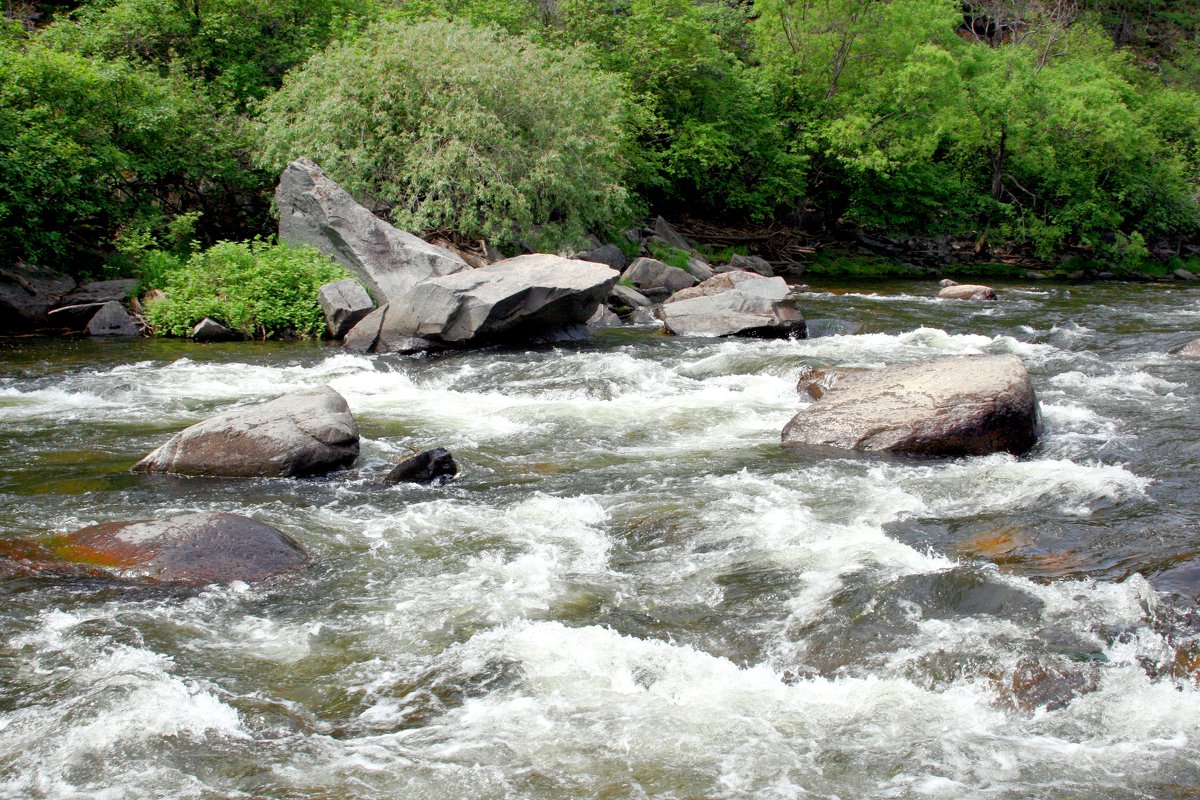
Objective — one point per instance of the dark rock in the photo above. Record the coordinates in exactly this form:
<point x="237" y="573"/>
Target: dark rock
<point x="75" y="317"/>
<point x="655" y="279"/>
<point x="345" y="303"/>
<point x="532" y="297"/>
<point x="608" y="254"/>
<point x="752" y="264"/>
<point x="209" y="330"/>
<point x="971" y="405"/>
<point x="314" y="210"/>
<point x="967" y="291"/>
<point x="195" y="549"/>
<point x="755" y="308"/>
<point x="113" y="320"/>
<point x="1189" y="350"/>
<point x="671" y="237"/>
<point x="100" y="292"/>
<point x="27" y="293"/>
<point x="306" y="433"/>
<point x="603" y="318"/>
<point x="433" y="467"/>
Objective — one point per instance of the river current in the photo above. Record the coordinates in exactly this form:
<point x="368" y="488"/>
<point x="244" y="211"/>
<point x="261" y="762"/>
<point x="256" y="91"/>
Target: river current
<point x="633" y="590"/>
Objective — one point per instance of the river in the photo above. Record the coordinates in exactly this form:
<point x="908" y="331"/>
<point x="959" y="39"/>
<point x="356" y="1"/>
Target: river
<point x="632" y="591"/>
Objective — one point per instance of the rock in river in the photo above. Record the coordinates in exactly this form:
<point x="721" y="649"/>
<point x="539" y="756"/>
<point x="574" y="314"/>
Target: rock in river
<point x="306" y="433"/>
<point x="1189" y="350"/>
<point x="314" y="210"/>
<point x="967" y="291"/>
<point x="971" y="405"/>
<point x="757" y="307"/>
<point x="433" y="467"/>
<point x="195" y="549"/>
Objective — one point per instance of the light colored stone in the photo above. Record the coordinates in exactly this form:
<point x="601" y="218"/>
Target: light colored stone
<point x="655" y="279"/>
<point x="756" y="308"/>
<point x="967" y="291"/>
<point x="752" y="264"/>
<point x="970" y="405"/>
<point x="345" y="303"/>
<point x="699" y="268"/>
<point x="628" y="296"/>
<point x="721" y="282"/>
<point x="1189" y="350"/>
<point x="306" y="433"/>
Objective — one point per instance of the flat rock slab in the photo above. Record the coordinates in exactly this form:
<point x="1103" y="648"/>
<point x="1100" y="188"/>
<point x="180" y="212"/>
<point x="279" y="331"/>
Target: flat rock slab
<point x="301" y="434"/>
<point x="532" y="297"/>
<point x="971" y="405"/>
<point x="754" y="308"/>
<point x="315" y="210"/>
<point x="196" y="549"/>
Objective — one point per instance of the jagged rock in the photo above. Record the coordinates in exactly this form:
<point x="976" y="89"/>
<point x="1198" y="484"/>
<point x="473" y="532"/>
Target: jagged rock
<point x="671" y="237"/>
<point x="967" y="291"/>
<point x="100" y="292"/>
<point x="699" y="268"/>
<point x="750" y="264"/>
<point x="209" y="330"/>
<point x="721" y="282"/>
<point x="533" y="297"/>
<point x="113" y="320"/>
<point x="970" y="405"/>
<point x="1185" y="275"/>
<point x="194" y="549"/>
<point x="626" y="296"/>
<point x="74" y="317"/>
<point x="1189" y="350"/>
<point x="27" y="293"/>
<point x="314" y="210"/>
<point x="433" y="467"/>
<point x="345" y="303"/>
<point x="603" y="318"/>
<point x="306" y="433"/>
<point x="756" y="308"/>
<point x="608" y="254"/>
<point x="655" y="279"/>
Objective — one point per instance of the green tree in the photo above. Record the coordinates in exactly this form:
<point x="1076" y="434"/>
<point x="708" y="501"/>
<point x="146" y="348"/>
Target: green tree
<point x="444" y="125"/>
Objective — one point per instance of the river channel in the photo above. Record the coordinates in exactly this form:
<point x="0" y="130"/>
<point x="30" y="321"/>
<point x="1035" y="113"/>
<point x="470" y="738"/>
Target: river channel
<point x="633" y="590"/>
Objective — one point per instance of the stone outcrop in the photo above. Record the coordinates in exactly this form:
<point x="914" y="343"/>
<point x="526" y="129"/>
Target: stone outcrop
<point x="736" y="307"/>
<point x="314" y="210"/>
<point x="306" y="433"/>
<point x="195" y="549"/>
<point x="532" y="297"/>
<point x="433" y="468"/>
<point x="27" y="293"/>
<point x="967" y="291"/>
<point x="113" y="320"/>
<point x="1189" y="350"/>
<point x="970" y="405"/>
<point x="656" y="280"/>
<point x="344" y="303"/>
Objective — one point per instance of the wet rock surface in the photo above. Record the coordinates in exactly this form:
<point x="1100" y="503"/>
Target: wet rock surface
<point x="971" y="405"/>
<point x="967" y="291"/>
<point x="297" y="435"/>
<point x="756" y="308"/>
<point x="433" y="467"/>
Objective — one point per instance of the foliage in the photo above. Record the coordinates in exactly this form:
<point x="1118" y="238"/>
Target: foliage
<point x="257" y="288"/>
<point x="443" y="125"/>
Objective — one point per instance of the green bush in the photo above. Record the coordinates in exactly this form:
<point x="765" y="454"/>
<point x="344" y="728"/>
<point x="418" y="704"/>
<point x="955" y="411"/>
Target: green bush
<point x="257" y="288"/>
<point x="444" y="125"/>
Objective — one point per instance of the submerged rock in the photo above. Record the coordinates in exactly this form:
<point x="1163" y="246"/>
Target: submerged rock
<point x="756" y="308"/>
<point x="314" y="210"/>
<point x="435" y="467"/>
<point x="967" y="291"/>
<point x="195" y="549"/>
<point x="971" y="405"/>
<point x="533" y="297"/>
<point x="306" y="433"/>
<point x="1189" y="350"/>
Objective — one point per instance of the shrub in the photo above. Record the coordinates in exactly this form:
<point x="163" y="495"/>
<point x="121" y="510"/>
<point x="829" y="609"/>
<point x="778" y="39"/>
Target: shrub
<point x="256" y="288"/>
<point x="444" y="125"/>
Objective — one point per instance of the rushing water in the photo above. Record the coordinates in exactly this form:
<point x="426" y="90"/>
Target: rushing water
<point x="632" y="591"/>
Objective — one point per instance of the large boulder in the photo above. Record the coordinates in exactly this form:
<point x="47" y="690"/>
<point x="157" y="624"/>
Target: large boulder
<point x="314" y="210"/>
<point x="665" y="233"/>
<point x="118" y="290"/>
<point x="344" y="303"/>
<point x="1188" y="350"/>
<point x="608" y="254"/>
<point x="721" y="282"/>
<point x="757" y="308"/>
<point x="655" y="279"/>
<point x="113" y="320"/>
<point x="306" y="433"/>
<point x="970" y="405"/>
<point x="27" y="293"/>
<point x="536" y="297"/>
<point x="967" y="291"/>
<point x="195" y="549"/>
<point x="629" y="297"/>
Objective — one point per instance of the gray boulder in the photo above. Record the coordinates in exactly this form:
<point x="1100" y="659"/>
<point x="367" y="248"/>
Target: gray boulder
<point x="532" y="297"/>
<point x="603" y="318"/>
<point x="314" y="210"/>
<point x="1185" y="275"/>
<point x="306" y="433"/>
<point x="345" y="303"/>
<point x="100" y="292"/>
<point x="209" y="330"/>
<point x="1189" y="350"/>
<point x="967" y="291"/>
<point x="622" y="295"/>
<point x="655" y="279"/>
<point x="699" y="268"/>
<point x="607" y="254"/>
<point x="750" y="264"/>
<point x="27" y="293"/>
<point x="970" y="405"/>
<point x="644" y="316"/>
<point x="113" y="320"/>
<point x="721" y="282"/>
<point x="194" y="549"/>
<point x="756" y="308"/>
<point x="665" y="234"/>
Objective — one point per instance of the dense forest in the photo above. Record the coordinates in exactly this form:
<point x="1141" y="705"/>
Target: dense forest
<point x="131" y="130"/>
